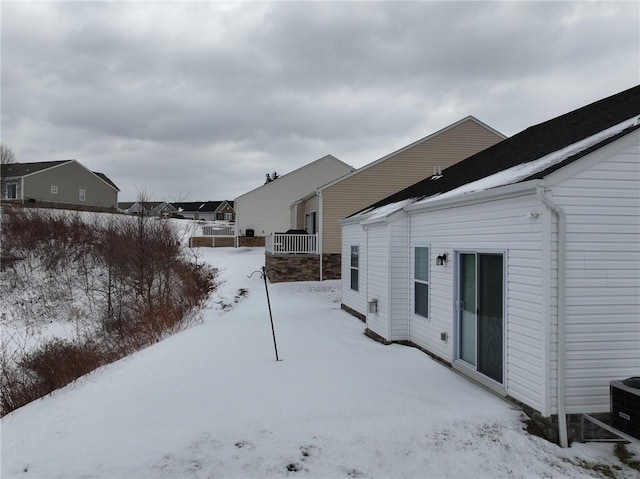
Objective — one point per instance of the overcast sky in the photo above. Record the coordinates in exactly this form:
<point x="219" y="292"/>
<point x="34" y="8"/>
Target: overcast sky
<point x="197" y="101"/>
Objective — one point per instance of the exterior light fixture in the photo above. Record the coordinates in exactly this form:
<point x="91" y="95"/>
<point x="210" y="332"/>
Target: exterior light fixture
<point x="442" y="259"/>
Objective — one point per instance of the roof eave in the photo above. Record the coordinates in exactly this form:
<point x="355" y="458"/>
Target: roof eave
<point x="510" y="190"/>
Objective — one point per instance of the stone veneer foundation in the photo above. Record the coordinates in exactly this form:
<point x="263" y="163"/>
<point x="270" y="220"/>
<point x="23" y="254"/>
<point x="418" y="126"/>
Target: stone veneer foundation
<point x="251" y="241"/>
<point x="301" y="267"/>
<point x="211" y="241"/>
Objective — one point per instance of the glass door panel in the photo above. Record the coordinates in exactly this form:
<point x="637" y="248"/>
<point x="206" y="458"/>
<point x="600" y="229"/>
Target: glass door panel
<point x="490" y="314"/>
<point x="468" y="308"/>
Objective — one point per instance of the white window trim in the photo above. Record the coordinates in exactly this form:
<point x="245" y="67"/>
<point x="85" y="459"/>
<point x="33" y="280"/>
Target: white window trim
<point x="415" y="280"/>
<point x="54" y="190"/>
<point x="82" y="194"/>
<point x="354" y="268"/>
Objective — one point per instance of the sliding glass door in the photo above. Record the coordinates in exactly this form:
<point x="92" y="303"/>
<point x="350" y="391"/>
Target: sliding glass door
<point x="481" y="304"/>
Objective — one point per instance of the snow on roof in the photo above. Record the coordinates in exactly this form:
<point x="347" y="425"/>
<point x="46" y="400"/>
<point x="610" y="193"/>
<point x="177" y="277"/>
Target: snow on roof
<point x="511" y="175"/>
<point x="372" y="214"/>
<point x="520" y="172"/>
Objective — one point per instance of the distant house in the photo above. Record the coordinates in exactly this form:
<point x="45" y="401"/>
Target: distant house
<point x="519" y="266"/>
<point x="206" y="210"/>
<point x="266" y="209"/>
<point x="160" y="209"/>
<point x="58" y="183"/>
<point x="320" y="210"/>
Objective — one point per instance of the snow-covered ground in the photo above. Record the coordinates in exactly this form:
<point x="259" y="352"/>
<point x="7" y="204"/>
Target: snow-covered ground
<point x="212" y="402"/>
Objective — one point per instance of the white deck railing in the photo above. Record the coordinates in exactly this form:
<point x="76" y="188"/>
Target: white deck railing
<point x="218" y="230"/>
<point x="291" y="244"/>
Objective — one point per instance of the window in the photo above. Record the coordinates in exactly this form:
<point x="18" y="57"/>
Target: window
<point x="82" y="196"/>
<point x="421" y="281"/>
<point x="228" y="216"/>
<point x="355" y="265"/>
<point x="54" y="189"/>
<point x="11" y="191"/>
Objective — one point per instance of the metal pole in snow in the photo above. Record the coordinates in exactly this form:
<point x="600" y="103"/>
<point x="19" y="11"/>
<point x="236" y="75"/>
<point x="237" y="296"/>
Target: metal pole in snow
<point x="273" y="331"/>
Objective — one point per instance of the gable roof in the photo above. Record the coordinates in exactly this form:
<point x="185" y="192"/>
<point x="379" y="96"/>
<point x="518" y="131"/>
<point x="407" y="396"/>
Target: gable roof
<point x="559" y="141"/>
<point x="201" y="206"/>
<point x="408" y="147"/>
<point x="15" y="170"/>
<point x="18" y="170"/>
<point x="277" y="181"/>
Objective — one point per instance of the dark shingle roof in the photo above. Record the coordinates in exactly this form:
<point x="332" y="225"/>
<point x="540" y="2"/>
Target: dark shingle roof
<point x="201" y="206"/>
<point x="22" y="169"/>
<point x="106" y="179"/>
<point x="531" y="144"/>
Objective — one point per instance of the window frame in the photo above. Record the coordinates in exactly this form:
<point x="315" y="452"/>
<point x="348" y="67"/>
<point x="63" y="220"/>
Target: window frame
<point x="82" y="195"/>
<point x="54" y="190"/>
<point x="420" y="283"/>
<point x="354" y="270"/>
<point x="7" y="189"/>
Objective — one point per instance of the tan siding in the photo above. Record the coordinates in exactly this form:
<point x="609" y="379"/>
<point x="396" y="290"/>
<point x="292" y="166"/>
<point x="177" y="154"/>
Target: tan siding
<point x="374" y="183"/>
<point x="70" y="178"/>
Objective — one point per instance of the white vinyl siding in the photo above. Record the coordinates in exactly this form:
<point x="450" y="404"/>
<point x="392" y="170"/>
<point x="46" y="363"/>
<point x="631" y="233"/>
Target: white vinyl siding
<point x="603" y="277"/>
<point x="356" y="300"/>
<point x="267" y="209"/>
<point x="500" y="225"/>
<point x="377" y="277"/>
<point x="399" y="281"/>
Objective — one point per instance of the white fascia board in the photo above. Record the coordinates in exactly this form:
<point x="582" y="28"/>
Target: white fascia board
<point x="593" y="158"/>
<point x="350" y="221"/>
<point x="390" y="218"/>
<point x="501" y="192"/>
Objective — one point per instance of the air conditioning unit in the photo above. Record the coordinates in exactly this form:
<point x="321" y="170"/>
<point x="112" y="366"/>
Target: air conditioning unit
<point x="625" y="405"/>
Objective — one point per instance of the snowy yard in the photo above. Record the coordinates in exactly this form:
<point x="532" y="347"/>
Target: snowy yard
<point x="212" y="402"/>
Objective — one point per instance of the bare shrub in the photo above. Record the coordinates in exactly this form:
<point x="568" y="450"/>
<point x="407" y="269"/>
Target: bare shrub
<point x="121" y="283"/>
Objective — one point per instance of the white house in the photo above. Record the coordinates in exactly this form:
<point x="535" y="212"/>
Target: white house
<point x="520" y="266"/>
<point x="266" y="209"/>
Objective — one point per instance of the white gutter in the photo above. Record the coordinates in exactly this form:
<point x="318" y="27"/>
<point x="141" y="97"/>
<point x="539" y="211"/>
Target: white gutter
<point x="562" y="303"/>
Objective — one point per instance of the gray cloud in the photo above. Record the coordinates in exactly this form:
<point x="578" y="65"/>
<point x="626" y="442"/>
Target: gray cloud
<point x="201" y="99"/>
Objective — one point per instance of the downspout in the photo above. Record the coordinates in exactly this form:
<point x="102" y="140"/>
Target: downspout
<point x="320" y="229"/>
<point x="562" y="303"/>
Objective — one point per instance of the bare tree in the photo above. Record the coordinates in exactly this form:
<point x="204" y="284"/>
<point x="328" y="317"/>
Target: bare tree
<point x="7" y="156"/>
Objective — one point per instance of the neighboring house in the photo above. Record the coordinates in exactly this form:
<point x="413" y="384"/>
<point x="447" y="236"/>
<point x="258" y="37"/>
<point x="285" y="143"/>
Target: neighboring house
<point x="519" y="266"/>
<point x="160" y="209"/>
<point x="266" y="210"/>
<point x="58" y="183"/>
<point x="206" y="210"/>
<point x="320" y="211"/>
